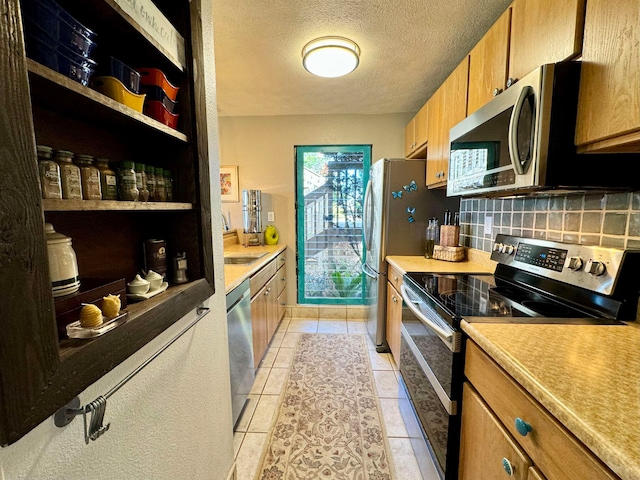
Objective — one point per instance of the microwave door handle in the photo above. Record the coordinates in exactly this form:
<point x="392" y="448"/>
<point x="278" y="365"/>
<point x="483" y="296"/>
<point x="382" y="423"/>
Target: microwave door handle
<point x="513" y="130"/>
<point x="411" y="303"/>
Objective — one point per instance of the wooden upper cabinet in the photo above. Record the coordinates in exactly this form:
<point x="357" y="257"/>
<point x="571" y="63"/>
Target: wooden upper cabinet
<point x="609" y="101"/>
<point x="489" y="63"/>
<point x="447" y="107"/>
<point x="544" y="31"/>
<point x="415" y="135"/>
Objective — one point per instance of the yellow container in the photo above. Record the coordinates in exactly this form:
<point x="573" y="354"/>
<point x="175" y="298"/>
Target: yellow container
<point x="114" y="88"/>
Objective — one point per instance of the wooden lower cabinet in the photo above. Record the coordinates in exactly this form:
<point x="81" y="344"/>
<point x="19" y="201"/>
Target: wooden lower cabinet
<point x="268" y="301"/>
<point x="394" y="321"/>
<point x="534" y="474"/>
<point x="485" y="445"/>
<point x="555" y="452"/>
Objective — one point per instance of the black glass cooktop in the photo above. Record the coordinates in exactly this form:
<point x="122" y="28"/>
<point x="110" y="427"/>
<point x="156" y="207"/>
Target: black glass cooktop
<point x="466" y="295"/>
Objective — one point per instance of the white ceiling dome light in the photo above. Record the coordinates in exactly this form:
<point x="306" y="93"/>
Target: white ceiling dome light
<point x="330" y="56"/>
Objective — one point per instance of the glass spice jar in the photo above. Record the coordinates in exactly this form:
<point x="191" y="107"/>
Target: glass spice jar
<point x="108" y="182"/>
<point x="141" y="182"/>
<point x="151" y="182"/>
<point x="90" y="177"/>
<point x="49" y="173"/>
<point x="69" y="175"/>
<point x="127" y="190"/>
<point x="161" y="194"/>
<point x="168" y="185"/>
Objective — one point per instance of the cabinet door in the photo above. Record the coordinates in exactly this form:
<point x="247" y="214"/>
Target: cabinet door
<point x="544" y="31"/>
<point x="609" y="101"/>
<point x="282" y="303"/>
<point x="394" y="321"/>
<point x="421" y="122"/>
<point x="489" y="62"/>
<point x="434" y="133"/>
<point x="272" y="307"/>
<point x="485" y="445"/>
<point x="409" y="137"/>
<point x="259" y="325"/>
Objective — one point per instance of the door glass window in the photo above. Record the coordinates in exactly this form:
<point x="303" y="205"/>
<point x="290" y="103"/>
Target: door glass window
<point x="330" y="184"/>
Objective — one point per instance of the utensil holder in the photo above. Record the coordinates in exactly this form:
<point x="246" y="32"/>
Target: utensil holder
<point x="449" y="235"/>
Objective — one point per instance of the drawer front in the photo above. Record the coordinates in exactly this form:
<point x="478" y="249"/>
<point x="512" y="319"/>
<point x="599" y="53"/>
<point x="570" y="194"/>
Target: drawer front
<point x="394" y="277"/>
<point x="485" y="445"/>
<point x="260" y="279"/>
<point x="281" y="259"/>
<point x="534" y="474"/>
<point x="281" y="280"/>
<point x="552" y="448"/>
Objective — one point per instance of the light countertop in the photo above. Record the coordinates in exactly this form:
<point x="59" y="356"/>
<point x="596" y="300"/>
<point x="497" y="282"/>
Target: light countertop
<point x="587" y="376"/>
<point x="476" y="262"/>
<point x="234" y="275"/>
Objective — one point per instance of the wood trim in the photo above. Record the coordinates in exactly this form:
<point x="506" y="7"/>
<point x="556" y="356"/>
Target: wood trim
<point x="55" y="205"/>
<point x="625" y="143"/>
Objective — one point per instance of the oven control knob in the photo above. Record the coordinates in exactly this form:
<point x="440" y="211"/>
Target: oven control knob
<point x="596" y="268"/>
<point x="497" y="247"/>
<point x="508" y="249"/>
<point x="575" y="263"/>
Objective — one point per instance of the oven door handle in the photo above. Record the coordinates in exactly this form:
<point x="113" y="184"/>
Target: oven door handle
<point x="411" y="302"/>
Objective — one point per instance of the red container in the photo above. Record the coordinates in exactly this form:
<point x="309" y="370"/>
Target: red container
<point x="156" y="109"/>
<point x="154" y="76"/>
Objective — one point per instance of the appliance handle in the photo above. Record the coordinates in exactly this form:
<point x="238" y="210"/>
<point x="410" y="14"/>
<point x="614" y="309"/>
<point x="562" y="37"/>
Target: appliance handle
<point x="513" y="130"/>
<point x="368" y="226"/>
<point x="411" y="302"/>
<point x="365" y="270"/>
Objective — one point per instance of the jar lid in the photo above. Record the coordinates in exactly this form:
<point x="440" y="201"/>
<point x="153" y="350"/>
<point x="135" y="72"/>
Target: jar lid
<point x="44" y="150"/>
<point x="102" y="160"/>
<point x="65" y="155"/>
<point x="150" y="169"/>
<point x="167" y="173"/>
<point x="127" y="164"/>
<point x="140" y="167"/>
<point x="159" y="171"/>
<point x="84" y="158"/>
<point x="53" y="236"/>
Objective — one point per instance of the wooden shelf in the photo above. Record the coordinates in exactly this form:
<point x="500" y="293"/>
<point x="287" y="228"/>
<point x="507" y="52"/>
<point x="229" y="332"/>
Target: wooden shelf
<point x="55" y="205"/>
<point x="52" y="90"/>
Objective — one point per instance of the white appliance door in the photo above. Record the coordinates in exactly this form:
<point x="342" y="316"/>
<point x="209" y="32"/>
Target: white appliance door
<point x="374" y="212"/>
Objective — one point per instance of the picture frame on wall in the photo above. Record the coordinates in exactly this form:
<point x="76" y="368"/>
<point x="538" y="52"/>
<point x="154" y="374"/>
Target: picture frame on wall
<point x="229" y="183"/>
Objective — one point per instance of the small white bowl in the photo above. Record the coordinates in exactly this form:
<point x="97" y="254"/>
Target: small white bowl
<point x="138" y="286"/>
<point x="155" y="280"/>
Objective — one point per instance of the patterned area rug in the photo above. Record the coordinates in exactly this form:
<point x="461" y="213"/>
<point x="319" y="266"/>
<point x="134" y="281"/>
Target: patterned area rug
<point x="329" y="423"/>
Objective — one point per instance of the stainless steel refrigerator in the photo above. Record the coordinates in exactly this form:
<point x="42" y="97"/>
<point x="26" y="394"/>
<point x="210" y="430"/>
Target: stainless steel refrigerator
<point x="397" y="206"/>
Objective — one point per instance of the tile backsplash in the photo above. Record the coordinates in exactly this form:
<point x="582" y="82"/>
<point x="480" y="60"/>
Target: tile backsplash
<point x="606" y="219"/>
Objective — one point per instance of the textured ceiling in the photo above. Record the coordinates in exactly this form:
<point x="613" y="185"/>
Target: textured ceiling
<point x="408" y="48"/>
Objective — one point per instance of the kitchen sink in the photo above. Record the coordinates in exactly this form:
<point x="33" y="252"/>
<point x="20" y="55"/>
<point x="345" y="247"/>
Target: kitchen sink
<point x="242" y="258"/>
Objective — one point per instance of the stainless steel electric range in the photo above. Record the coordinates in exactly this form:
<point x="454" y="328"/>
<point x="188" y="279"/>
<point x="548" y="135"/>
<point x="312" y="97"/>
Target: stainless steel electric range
<point x="536" y="281"/>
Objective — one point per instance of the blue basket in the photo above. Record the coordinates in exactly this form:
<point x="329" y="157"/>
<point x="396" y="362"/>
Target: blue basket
<point x="127" y="75"/>
<point x="60" y="32"/>
<point x="157" y="93"/>
<point x="59" y="58"/>
<point x="48" y="14"/>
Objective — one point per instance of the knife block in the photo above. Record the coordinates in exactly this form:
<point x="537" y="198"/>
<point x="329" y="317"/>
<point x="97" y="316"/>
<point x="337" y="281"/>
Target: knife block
<point x="449" y="235"/>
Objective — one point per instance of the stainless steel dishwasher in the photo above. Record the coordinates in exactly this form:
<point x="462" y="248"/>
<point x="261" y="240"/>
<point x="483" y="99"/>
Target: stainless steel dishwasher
<point x="240" y="336"/>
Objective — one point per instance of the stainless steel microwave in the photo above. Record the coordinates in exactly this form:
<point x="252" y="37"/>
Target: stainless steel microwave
<point x="522" y="141"/>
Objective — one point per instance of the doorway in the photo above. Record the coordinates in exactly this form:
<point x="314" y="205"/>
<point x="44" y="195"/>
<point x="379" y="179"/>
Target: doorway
<point x="330" y="182"/>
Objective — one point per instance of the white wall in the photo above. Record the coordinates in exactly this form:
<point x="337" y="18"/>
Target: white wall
<point x="263" y="149"/>
<point x="173" y="420"/>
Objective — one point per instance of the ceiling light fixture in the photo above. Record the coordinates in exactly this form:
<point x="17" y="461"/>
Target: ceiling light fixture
<point x="330" y="56"/>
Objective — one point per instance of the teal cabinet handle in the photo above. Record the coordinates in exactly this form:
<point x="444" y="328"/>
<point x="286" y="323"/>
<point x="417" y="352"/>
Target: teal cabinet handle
<point x="508" y="467"/>
<point x="523" y="427"/>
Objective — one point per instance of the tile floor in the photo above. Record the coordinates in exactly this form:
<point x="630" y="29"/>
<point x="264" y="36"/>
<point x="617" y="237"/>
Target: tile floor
<point x="253" y="426"/>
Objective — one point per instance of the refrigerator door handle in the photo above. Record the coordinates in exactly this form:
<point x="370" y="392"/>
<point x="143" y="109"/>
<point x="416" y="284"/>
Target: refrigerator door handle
<point x="368" y="226"/>
<point x="368" y="271"/>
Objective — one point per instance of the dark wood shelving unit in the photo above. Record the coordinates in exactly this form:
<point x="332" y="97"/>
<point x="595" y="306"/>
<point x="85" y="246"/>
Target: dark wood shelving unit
<point x="40" y="372"/>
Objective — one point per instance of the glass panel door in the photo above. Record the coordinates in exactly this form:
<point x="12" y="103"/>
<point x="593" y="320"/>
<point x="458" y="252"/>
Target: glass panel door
<point x="330" y="184"/>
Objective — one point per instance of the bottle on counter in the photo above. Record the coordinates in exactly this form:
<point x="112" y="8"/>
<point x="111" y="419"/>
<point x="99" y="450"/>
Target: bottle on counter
<point x="141" y="182"/>
<point x="161" y="193"/>
<point x="89" y="177"/>
<point x="69" y="175"/>
<point x="49" y="173"/>
<point x="151" y="182"/>
<point x="429" y="239"/>
<point x="108" y="182"/>
<point x="168" y="185"/>
<point x="127" y="189"/>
